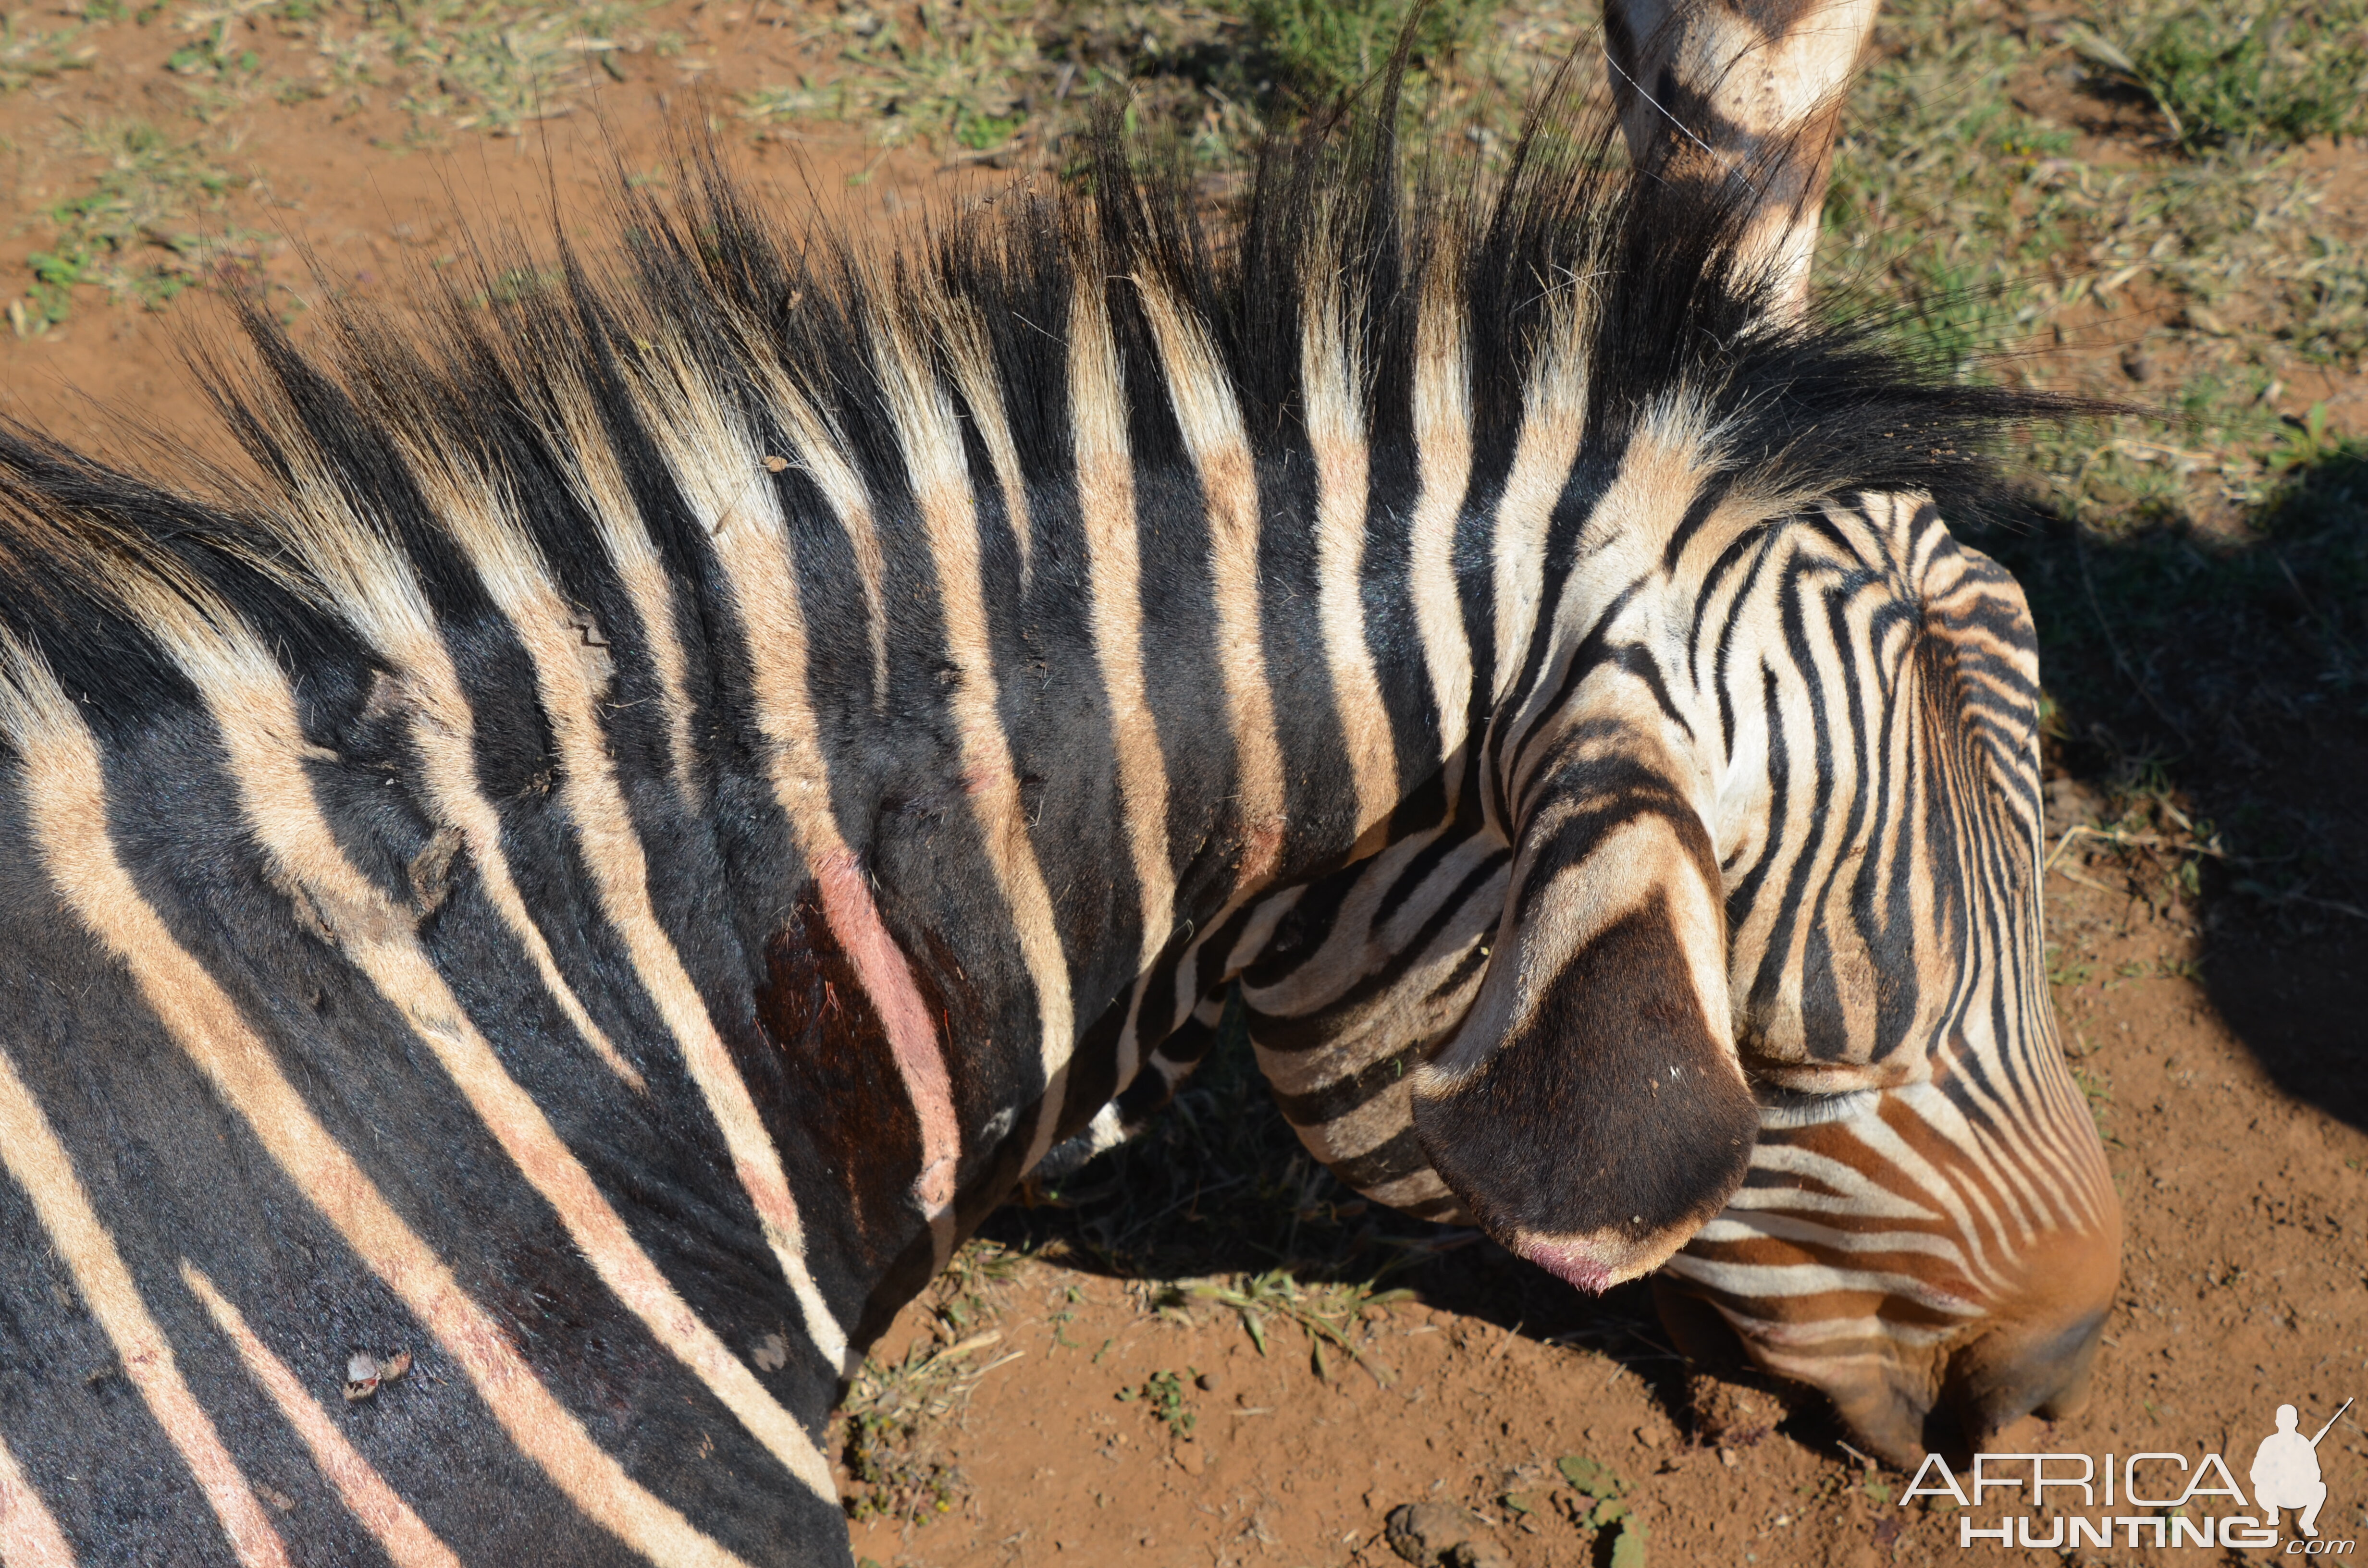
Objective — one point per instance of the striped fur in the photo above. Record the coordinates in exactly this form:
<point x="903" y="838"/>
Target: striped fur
<point x="657" y="802"/>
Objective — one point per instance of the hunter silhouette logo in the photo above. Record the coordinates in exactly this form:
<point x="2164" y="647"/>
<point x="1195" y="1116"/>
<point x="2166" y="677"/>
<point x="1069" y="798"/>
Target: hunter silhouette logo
<point x="2285" y="1471"/>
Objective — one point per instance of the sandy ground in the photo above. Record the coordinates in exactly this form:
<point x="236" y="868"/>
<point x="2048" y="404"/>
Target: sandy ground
<point x="2224" y="1051"/>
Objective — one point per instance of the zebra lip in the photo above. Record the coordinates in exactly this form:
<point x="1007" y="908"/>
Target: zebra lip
<point x="1595" y="1263"/>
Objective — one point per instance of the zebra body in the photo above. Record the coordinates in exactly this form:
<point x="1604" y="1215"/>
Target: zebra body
<point x="656" y="803"/>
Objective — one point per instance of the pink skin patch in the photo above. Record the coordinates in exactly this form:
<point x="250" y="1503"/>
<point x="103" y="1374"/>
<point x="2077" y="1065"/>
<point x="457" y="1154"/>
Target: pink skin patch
<point x="854" y="920"/>
<point x="1576" y="1264"/>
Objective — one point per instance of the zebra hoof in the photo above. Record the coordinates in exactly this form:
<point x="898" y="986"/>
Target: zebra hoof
<point x="2043" y="1370"/>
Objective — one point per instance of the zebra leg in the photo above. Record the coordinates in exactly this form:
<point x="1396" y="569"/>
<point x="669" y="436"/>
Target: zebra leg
<point x="1711" y="91"/>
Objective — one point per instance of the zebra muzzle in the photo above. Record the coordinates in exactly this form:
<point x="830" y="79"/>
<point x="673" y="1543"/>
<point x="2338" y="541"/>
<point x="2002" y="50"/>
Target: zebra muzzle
<point x="1607" y="1125"/>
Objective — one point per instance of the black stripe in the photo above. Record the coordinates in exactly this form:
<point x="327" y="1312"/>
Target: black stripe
<point x="1400" y="1157"/>
<point x="1338" y="1098"/>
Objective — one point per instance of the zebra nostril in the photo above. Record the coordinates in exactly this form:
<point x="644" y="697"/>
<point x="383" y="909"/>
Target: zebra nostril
<point x="1998" y="1381"/>
<point x="2075" y="1360"/>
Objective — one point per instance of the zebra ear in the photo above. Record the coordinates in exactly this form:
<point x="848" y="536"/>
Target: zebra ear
<point x="1591" y="1111"/>
<point x="1736" y="105"/>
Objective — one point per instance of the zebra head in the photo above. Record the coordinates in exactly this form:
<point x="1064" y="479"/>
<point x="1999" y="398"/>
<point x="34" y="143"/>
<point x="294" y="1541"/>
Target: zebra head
<point x="1928" y="1223"/>
<point x="1767" y="986"/>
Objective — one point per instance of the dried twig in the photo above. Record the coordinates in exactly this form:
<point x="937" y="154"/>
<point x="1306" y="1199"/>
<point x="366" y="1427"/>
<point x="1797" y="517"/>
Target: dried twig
<point x="2069" y="874"/>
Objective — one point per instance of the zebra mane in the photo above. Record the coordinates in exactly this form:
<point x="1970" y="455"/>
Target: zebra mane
<point x="525" y="400"/>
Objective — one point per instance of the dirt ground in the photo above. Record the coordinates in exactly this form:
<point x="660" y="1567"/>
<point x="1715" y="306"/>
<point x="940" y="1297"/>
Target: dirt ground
<point x="1073" y="1417"/>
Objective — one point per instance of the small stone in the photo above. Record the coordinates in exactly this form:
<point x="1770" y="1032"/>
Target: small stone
<point x="1208" y="1381"/>
<point x="1191" y="1458"/>
<point x="1426" y="1534"/>
<point x="2071" y="804"/>
<point x="1480" y="1552"/>
<point x="1646" y="1435"/>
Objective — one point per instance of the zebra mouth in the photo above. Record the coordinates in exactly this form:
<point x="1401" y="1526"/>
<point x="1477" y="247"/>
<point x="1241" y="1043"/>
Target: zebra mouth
<point x="1613" y="1256"/>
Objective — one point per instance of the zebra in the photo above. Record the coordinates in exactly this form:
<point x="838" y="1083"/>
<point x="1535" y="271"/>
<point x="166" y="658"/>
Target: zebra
<point x="1928" y="1234"/>
<point x="547" y="905"/>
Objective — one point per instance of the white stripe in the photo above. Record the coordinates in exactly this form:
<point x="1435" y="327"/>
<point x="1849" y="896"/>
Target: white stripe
<point x="1780" y="1281"/>
<point x="1857" y="1192"/>
<point x="1818" y="1362"/>
<point x="973" y="363"/>
<point x="1554" y="416"/>
<point x="29" y="1537"/>
<point x="582" y="445"/>
<point x="1106" y="496"/>
<point x="931" y="440"/>
<point x="1775" y="1225"/>
<point x="1442" y="433"/>
<point x="1332" y="382"/>
<point x="400" y="1533"/>
<point x="1210" y="418"/>
<point x="32" y="1154"/>
<point x="820" y="455"/>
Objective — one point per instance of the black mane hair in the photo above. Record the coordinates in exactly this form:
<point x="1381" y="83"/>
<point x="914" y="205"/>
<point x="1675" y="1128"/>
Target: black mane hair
<point x="1809" y="406"/>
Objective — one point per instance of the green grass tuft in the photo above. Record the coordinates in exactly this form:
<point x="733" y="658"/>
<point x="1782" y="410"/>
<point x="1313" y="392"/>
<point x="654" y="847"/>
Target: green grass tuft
<point x="2282" y="74"/>
<point x="29" y="54"/>
<point x="136" y="231"/>
<point x="1323" y="49"/>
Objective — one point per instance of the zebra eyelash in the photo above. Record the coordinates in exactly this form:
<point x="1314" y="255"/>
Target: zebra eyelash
<point x="1790" y="1109"/>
